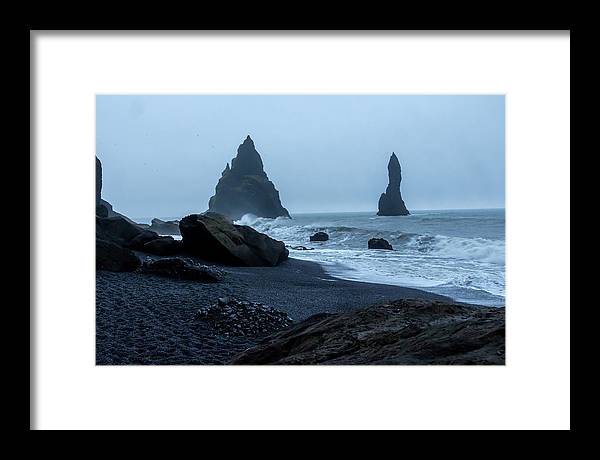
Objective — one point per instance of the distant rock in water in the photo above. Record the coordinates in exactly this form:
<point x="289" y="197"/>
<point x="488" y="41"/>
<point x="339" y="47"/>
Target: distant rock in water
<point x="213" y="237"/>
<point x="245" y="188"/>
<point x="379" y="243"/>
<point x="319" y="236"/>
<point x="390" y="202"/>
<point x="164" y="227"/>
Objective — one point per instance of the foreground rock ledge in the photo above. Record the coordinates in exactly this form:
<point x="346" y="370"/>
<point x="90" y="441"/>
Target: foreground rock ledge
<point x="416" y="331"/>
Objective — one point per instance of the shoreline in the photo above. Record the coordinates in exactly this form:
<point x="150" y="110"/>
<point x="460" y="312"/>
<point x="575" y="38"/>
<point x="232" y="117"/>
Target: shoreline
<point x="340" y="277"/>
<point x="426" y="254"/>
<point x="146" y="319"/>
<point x="300" y="275"/>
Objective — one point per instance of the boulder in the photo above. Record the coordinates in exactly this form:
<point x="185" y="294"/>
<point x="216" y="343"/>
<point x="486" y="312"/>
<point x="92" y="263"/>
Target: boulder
<point x="114" y="258"/>
<point x="116" y="229"/>
<point x="215" y="238"/>
<point x="245" y="188"/>
<point x="319" y="236"/>
<point x="412" y="331"/>
<point x="181" y="268"/>
<point x="145" y="236"/>
<point x="391" y="202"/>
<point x="163" y="246"/>
<point x="379" y="243"/>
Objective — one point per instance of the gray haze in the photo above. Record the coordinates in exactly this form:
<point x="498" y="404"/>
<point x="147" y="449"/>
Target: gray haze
<point x="163" y="155"/>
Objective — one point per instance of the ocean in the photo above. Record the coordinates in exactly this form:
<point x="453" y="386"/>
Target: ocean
<point x="456" y="253"/>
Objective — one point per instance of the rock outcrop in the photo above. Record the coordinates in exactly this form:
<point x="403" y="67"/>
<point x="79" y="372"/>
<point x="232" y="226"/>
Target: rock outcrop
<point x="245" y="188"/>
<point x="213" y="237"/>
<point x="181" y="268"/>
<point x="319" y="236"/>
<point x="414" y="331"/>
<point x="123" y="233"/>
<point x="119" y="230"/>
<point x="379" y="243"/>
<point x="138" y="241"/>
<point x="390" y="202"/>
<point x="115" y="258"/>
<point x="117" y="236"/>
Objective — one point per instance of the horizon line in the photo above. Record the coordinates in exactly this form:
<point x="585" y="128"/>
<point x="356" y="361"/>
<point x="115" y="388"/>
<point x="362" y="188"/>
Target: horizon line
<point x="374" y="211"/>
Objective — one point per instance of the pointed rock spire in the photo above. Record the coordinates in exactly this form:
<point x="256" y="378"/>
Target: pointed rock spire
<point x="245" y="188"/>
<point x="226" y="170"/>
<point x="391" y="202"/>
<point x="247" y="161"/>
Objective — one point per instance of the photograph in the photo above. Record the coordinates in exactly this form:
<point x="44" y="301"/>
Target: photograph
<point x="300" y="229"/>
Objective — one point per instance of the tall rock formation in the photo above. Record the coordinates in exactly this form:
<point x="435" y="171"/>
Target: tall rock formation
<point x="98" y="180"/>
<point x="391" y="202"/>
<point x="245" y="188"/>
<point x="103" y="207"/>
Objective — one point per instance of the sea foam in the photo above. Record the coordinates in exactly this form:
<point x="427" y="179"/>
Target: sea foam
<point x="458" y="255"/>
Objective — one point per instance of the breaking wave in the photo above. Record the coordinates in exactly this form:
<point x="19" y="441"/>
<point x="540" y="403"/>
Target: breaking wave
<point x="457" y="254"/>
<point x="344" y="237"/>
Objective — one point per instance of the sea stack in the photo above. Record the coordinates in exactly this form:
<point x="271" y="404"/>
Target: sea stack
<point x="244" y="188"/>
<point x="98" y="181"/>
<point x="103" y="207"/>
<point x="390" y="202"/>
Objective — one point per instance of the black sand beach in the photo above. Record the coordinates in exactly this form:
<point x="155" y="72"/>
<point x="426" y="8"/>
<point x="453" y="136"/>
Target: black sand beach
<point x="146" y="319"/>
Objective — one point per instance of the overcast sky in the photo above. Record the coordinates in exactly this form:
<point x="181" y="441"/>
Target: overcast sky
<point x="163" y="155"/>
